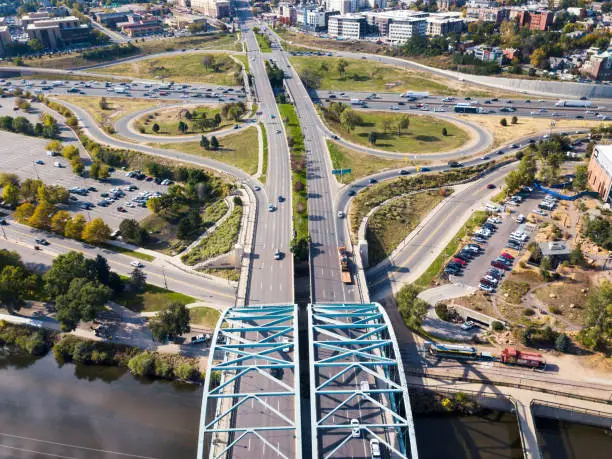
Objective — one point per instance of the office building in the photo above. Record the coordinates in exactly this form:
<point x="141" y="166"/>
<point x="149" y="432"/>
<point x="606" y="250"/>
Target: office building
<point x="349" y="27"/>
<point x="403" y="30"/>
<point x="55" y="33"/>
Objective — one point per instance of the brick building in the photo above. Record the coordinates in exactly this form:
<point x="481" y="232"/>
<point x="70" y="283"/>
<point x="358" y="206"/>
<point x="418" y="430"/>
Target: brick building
<point x="600" y="171"/>
<point x="536" y="20"/>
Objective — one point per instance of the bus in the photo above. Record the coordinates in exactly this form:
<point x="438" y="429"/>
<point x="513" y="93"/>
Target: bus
<point x="468" y="108"/>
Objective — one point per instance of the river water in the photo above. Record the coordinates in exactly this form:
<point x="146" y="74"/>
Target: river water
<point x="92" y="412"/>
<point x="491" y="436"/>
<point x="564" y="440"/>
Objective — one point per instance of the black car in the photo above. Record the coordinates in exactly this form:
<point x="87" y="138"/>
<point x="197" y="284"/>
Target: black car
<point x="463" y="257"/>
<point x="452" y="271"/>
<point x="404" y="172"/>
<point x="352" y="193"/>
<point x="455" y="266"/>
<point x="373" y="180"/>
<point x="467" y="254"/>
<point x="454" y="164"/>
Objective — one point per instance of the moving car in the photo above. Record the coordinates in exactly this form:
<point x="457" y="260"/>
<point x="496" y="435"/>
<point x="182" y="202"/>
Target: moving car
<point x="41" y="241"/>
<point x="278" y="255"/>
<point x="341" y="214"/>
<point x="137" y="264"/>
<point x="375" y="447"/>
<point x="467" y="325"/>
<point x="271" y="207"/>
<point x="490" y="186"/>
<point x="356" y="428"/>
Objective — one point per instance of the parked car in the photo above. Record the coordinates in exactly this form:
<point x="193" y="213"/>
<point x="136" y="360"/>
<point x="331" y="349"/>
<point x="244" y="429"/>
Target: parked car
<point x="499" y="265"/>
<point x="486" y="288"/>
<point x="507" y="255"/>
<point x="459" y="260"/>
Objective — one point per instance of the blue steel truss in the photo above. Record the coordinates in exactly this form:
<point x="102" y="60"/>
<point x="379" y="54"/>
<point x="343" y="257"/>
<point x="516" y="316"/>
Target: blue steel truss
<point x="253" y="368"/>
<point x="356" y="373"/>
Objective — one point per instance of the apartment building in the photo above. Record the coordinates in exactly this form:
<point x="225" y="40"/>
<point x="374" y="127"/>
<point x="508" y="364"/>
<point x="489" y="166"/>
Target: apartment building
<point x="536" y="20"/>
<point x="598" y="66"/>
<point x="5" y="39"/>
<point x="351" y="27"/>
<point x="343" y="6"/>
<point x="440" y="26"/>
<point x="212" y="8"/>
<point x="312" y="19"/>
<point x="600" y="171"/>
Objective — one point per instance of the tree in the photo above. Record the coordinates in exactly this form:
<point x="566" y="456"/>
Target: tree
<point x="182" y="127"/>
<point x="59" y="220"/>
<point x="35" y="45"/>
<point x="538" y="58"/>
<point x="55" y="146"/>
<point x="341" y="66"/>
<point x="103" y="103"/>
<point x="214" y="143"/>
<point x="15" y="284"/>
<point x="94" y="170"/>
<point x="138" y="279"/>
<point x="132" y="232"/>
<point x="386" y="122"/>
<point x="404" y="122"/>
<point x="597" y="331"/>
<point x="204" y="143"/>
<point x="349" y="119"/>
<point x="580" y="180"/>
<point x="155" y="128"/>
<point x="503" y="122"/>
<point x="299" y="248"/>
<point x="10" y="194"/>
<point x="24" y="212"/>
<point x="74" y="227"/>
<point x="82" y="301"/>
<point x="170" y="323"/>
<point x="514" y="120"/>
<point x="64" y="269"/>
<point x="411" y="308"/>
<point x="41" y="218"/>
<point x="29" y="189"/>
<point x="154" y="205"/>
<point x="562" y="343"/>
<point x="96" y="231"/>
<point x="444" y="132"/>
<point x="208" y="61"/>
<point x="577" y="257"/>
<point x="372" y="137"/>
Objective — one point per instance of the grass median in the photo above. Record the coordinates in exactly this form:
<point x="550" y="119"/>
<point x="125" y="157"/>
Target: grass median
<point x="295" y="139"/>
<point x="221" y="240"/>
<point x="264" y="167"/>
<point x="204" y="317"/>
<point x="424" y="134"/>
<point x="214" y="68"/>
<point x="360" y="164"/>
<point x="264" y="43"/>
<point x="390" y="224"/>
<point x="128" y="252"/>
<point x="168" y="119"/>
<point x="240" y="150"/>
<point x="435" y="269"/>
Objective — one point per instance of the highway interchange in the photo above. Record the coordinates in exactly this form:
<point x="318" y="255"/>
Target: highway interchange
<point x="270" y="281"/>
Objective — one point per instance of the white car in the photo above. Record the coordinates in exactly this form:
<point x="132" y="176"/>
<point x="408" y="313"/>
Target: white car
<point x="467" y="325"/>
<point x="341" y="214"/>
<point x="491" y="279"/>
<point x="486" y="288"/>
<point x="395" y="107"/>
<point x="375" y="447"/>
<point x="137" y="264"/>
<point x="356" y="428"/>
<point x="285" y="340"/>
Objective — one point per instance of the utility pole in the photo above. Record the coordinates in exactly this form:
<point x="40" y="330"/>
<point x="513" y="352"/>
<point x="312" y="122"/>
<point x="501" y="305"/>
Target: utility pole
<point x="164" y="274"/>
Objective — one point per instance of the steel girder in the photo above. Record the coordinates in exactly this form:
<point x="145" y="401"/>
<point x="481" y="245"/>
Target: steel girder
<point x="251" y="389"/>
<point x="356" y="373"/>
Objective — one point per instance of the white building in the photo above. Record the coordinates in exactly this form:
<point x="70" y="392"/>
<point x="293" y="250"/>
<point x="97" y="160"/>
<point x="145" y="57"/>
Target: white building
<point x="315" y="19"/>
<point x="351" y="27"/>
<point x="344" y="6"/>
<point x="443" y="25"/>
<point x="212" y="8"/>
<point x="402" y="30"/>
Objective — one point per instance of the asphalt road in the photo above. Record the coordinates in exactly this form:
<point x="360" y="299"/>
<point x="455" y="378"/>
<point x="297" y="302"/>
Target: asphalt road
<point x="159" y="272"/>
<point x="537" y="108"/>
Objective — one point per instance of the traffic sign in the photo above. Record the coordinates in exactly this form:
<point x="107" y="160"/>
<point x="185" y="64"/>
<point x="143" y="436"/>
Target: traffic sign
<point x="341" y="171"/>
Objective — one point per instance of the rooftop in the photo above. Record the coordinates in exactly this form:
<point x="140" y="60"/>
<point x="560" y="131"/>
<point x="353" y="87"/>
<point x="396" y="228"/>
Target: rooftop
<point x="556" y="248"/>
<point x="603" y="154"/>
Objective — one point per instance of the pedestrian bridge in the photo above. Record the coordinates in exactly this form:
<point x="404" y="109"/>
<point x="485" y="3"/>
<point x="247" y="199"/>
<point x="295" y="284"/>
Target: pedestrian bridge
<point x="358" y="393"/>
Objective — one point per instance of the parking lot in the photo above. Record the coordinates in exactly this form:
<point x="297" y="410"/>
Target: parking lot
<point x="19" y="153"/>
<point x="477" y="268"/>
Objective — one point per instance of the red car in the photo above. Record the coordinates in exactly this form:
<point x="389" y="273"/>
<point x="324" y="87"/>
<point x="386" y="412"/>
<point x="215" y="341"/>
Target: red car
<point x="460" y="261"/>
<point x="507" y="256"/>
<point x="499" y="265"/>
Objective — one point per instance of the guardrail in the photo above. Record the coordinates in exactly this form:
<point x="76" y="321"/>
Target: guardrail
<point x="544" y="390"/>
<point x="571" y="408"/>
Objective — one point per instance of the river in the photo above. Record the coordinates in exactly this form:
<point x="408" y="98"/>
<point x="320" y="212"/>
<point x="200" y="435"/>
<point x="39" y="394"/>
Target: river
<point x="491" y="436"/>
<point x="92" y="412"/>
<point x="565" y="440"/>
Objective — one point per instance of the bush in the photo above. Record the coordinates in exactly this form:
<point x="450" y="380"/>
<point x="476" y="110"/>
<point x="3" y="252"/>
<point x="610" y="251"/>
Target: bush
<point x="497" y="326"/>
<point x="528" y="312"/>
<point x="32" y="340"/>
<point x="142" y="364"/>
<point x="562" y="343"/>
<point x="442" y="312"/>
<point x="554" y="310"/>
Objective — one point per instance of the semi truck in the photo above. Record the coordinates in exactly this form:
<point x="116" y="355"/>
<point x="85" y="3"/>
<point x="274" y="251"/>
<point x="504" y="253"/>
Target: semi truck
<point x="574" y="103"/>
<point x="416" y="95"/>
<point x="356" y="102"/>
<point x="344" y="264"/>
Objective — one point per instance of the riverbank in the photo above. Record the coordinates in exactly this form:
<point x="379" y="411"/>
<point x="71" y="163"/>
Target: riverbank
<point x="69" y="348"/>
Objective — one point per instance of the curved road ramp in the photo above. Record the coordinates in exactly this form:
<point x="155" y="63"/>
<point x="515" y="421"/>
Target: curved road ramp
<point x="358" y="393"/>
<point x="250" y="404"/>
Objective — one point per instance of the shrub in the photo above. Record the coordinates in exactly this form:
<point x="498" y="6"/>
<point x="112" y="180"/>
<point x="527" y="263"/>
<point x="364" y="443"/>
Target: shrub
<point x="142" y="364"/>
<point x="562" y="343"/>
<point x="554" y="310"/>
<point x="497" y="326"/>
<point x="442" y="311"/>
<point x="528" y="312"/>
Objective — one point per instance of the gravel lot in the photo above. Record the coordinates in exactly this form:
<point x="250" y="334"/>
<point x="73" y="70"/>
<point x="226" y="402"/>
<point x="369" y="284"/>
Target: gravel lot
<point x="18" y="153"/>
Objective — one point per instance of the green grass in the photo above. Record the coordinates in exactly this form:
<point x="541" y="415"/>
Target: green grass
<point x="244" y="60"/>
<point x="515" y="290"/>
<point x="361" y="164"/>
<point x="128" y="252"/>
<point x="232" y="274"/>
<point x="298" y="169"/>
<point x="424" y="135"/>
<point x="220" y="241"/>
<point x="206" y="317"/>
<point x="73" y="60"/>
<point x="264" y="168"/>
<point x="187" y="68"/>
<point x="214" y="212"/>
<point x="364" y="75"/>
<point x="435" y="269"/>
<point x="264" y="43"/>
<point x="153" y="299"/>
<point x="240" y="149"/>
<point x="168" y="118"/>
<point x="390" y="224"/>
